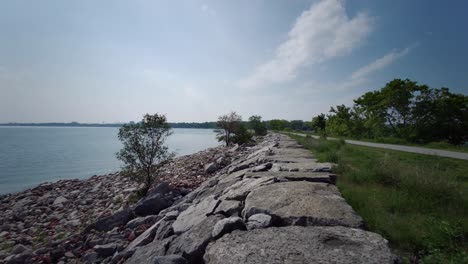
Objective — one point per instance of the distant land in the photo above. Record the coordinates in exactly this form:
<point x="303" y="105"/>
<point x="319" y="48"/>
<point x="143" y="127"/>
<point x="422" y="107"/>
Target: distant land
<point x="76" y="124"/>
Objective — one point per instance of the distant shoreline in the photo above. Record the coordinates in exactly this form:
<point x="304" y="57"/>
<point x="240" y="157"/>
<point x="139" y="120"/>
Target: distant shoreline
<point x="204" y="125"/>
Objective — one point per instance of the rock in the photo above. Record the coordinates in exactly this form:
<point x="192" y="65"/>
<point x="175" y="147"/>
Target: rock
<point x="144" y="238"/>
<point x="229" y="208"/>
<point x="152" y="205"/>
<point x="170" y="259"/>
<point x="263" y="167"/>
<point x="227" y="225"/>
<point x="118" y="258"/>
<point x="146" y="220"/>
<point x="259" y="221"/>
<point x="172" y="215"/>
<point x="195" y="214"/>
<point x="146" y="254"/>
<point x="18" y="249"/>
<point x="56" y="254"/>
<point x="75" y="222"/>
<point x="90" y="257"/>
<point x="164" y="230"/>
<point x="192" y="243"/>
<point x="105" y="250"/>
<point x="211" y="167"/>
<point x="69" y="254"/>
<point x="295" y="244"/>
<point x="23" y="258"/>
<point x="60" y="200"/>
<point x="108" y="223"/>
<point x="302" y="203"/>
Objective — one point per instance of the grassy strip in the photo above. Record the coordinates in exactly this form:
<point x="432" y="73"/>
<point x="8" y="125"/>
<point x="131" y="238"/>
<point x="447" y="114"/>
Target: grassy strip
<point x="418" y="202"/>
<point x="403" y="142"/>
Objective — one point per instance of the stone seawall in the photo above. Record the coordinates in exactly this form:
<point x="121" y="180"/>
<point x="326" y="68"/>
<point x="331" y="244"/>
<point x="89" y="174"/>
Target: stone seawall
<point x="274" y="205"/>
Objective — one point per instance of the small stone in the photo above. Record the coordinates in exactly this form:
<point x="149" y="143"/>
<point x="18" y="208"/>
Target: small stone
<point x="60" y="200"/>
<point x="69" y="254"/>
<point x="211" y="167"/>
<point x="258" y="221"/>
<point x="105" y="250"/>
<point x="18" y="249"/>
<point x="90" y="257"/>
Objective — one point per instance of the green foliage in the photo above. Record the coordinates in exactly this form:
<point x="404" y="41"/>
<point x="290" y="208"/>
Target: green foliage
<point x="241" y="135"/>
<point x="418" y="202"/>
<point x="319" y="123"/>
<point x="405" y="110"/>
<point x="228" y="125"/>
<point x="277" y="124"/>
<point x="259" y="127"/>
<point x="144" y="151"/>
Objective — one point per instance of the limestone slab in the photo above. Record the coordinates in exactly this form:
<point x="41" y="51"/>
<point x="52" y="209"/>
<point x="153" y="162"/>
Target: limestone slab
<point x="302" y="203"/>
<point x="295" y="244"/>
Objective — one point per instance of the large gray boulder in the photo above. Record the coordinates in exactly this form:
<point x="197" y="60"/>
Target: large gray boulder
<point x="192" y="243"/>
<point x="107" y="223"/>
<point x="227" y="225"/>
<point x="149" y="253"/>
<point x="195" y="214"/>
<point x="295" y="244"/>
<point x="152" y="205"/>
<point x="302" y="203"/>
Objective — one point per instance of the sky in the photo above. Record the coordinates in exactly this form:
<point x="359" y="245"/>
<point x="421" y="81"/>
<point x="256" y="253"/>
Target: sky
<point x="113" y="61"/>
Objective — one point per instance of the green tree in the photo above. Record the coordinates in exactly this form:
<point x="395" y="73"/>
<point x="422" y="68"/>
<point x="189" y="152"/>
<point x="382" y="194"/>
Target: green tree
<point x="278" y="124"/>
<point x="144" y="151"/>
<point x="228" y="124"/>
<point x="255" y="123"/>
<point x="241" y="135"/>
<point x="319" y="123"/>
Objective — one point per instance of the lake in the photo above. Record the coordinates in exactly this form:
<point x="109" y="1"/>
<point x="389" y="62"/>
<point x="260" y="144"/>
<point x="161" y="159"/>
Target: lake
<point x="32" y="155"/>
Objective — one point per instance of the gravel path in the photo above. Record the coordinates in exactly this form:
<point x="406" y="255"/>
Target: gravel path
<point x="426" y="151"/>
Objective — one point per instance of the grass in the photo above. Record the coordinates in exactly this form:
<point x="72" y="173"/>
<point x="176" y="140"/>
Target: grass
<point x="418" y="202"/>
<point x="442" y="145"/>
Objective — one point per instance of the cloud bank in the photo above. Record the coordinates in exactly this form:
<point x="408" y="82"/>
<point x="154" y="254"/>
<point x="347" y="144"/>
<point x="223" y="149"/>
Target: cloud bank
<point x="322" y="32"/>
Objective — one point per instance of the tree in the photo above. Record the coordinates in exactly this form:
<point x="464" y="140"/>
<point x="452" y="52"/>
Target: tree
<point x="255" y="123"/>
<point x="277" y="124"/>
<point x="144" y="151"/>
<point x="319" y="123"/>
<point x="241" y="135"/>
<point x="228" y="125"/>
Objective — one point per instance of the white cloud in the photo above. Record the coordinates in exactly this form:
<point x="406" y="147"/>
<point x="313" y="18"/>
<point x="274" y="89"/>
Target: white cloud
<point x="379" y="64"/>
<point x="322" y="32"/>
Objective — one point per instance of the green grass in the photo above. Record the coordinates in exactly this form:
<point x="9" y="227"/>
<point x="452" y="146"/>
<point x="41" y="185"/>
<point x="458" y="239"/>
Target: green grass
<point x="400" y="141"/>
<point x="418" y="202"/>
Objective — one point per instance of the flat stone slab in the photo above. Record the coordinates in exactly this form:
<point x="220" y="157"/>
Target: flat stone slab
<point x="302" y="203"/>
<point x="195" y="214"/>
<point x="295" y="244"/>
<point x="239" y="190"/>
<point x="304" y="165"/>
<point x="309" y="176"/>
<point x="292" y="152"/>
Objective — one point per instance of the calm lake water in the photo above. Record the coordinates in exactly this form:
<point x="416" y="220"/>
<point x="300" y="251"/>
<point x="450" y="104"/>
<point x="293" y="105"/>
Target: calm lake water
<point x="32" y="155"/>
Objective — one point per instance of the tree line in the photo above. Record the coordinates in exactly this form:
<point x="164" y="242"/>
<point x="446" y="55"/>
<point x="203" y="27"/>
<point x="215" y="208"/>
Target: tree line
<point x="402" y="109"/>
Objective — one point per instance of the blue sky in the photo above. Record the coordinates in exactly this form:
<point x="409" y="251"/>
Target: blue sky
<point x="113" y="61"/>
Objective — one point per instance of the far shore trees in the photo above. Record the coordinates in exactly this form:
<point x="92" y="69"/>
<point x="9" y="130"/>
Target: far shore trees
<point x="144" y="151"/>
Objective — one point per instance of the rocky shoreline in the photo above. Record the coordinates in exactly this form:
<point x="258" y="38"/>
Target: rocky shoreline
<point x="267" y="203"/>
<point x="45" y="224"/>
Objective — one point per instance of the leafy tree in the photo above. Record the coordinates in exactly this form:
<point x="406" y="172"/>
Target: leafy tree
<point x="297" y="125"/>
<point x="228" y="125"/>
<point x="241" y="135"/>
<point x="277" y="124"/>
<point x="319" y="123"/>
<point x="144" y="151"/>
<point x="255" y="123"/>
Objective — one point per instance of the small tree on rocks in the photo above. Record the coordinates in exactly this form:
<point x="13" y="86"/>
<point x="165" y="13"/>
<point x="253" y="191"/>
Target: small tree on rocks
<point x="144" y="151"/>
<point x="228" y="125"/>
